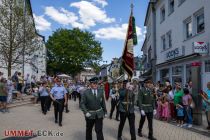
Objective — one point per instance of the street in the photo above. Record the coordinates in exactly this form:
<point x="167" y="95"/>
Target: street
<point x="30" y="118"/>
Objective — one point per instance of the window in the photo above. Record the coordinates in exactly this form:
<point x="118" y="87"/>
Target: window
<point x="163" y="40"/>
<point x="200" y="23"/>
<point x="177" y="74"/>
<point x="207" y="66"/>
<point x="181" y="1"/>
<point x="164" y="75"/>
<point x="162" y="14"/>
<point x="169" y="39"/>
<point x="171" y="6"/>
<point x="188" y="29"/>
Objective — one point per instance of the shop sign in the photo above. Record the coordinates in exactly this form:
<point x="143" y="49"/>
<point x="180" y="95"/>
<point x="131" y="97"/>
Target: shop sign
<point x="174" y="53"/>
<point x="196" y="64"/>
<point x="200" y="47"/>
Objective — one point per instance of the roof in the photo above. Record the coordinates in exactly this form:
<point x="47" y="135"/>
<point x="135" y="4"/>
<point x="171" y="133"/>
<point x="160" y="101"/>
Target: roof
<point x="148" y="7"/>
<point x="31" y="12"/>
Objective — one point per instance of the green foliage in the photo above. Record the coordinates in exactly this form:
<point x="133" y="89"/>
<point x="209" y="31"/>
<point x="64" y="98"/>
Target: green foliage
<point x="69" y="51"/>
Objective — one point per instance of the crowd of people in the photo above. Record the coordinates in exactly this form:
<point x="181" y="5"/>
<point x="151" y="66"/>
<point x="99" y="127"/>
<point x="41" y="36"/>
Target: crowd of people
<point x="14" y="87"/>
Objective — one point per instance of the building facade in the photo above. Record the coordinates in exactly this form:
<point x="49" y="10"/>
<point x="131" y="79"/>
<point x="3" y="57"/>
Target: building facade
<point x="182" y="36"/>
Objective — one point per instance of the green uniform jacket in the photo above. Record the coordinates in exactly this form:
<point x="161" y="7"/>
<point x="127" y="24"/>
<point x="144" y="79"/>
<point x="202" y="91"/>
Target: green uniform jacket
<point x="146" y="100"/>
<point x="126" y="103"/>
<point x="94" y="105"/>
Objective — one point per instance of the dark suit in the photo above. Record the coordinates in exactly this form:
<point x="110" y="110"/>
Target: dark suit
<point x="126" y="108"/>
<point x="95" y="105"/>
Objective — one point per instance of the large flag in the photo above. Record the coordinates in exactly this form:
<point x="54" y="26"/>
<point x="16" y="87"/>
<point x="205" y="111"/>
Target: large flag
<point x="131" y="40"/>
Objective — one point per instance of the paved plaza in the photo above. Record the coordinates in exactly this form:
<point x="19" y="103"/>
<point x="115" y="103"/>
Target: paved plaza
<point x="29" y="117"/>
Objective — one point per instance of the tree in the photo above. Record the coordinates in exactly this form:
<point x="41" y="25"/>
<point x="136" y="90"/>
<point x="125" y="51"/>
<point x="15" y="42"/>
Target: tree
<point x="14" y="42"/>
<point x="69" y="51"/>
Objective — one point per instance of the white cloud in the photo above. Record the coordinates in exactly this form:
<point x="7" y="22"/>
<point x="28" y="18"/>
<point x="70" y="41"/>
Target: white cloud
<point x="91" y="14"/>
<point x="41" y="23"/>
<point x="118" y="32"/>
<point x="102" y="2"/>
<point x="61" y="16"/>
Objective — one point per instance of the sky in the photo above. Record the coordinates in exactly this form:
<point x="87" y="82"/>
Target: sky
<point x="107" y="19"/>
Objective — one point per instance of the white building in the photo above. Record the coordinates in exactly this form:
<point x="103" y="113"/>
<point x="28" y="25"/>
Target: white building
<point x="35" y="63"/>
<point x="179" y="26"/>
<point x="86" y="74"/>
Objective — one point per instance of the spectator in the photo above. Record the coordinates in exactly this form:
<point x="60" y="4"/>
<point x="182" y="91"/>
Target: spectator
<point x="10" y="88"/>
<point x="171" y="101"/>
<point x="178" y="95"/>
<point x="206" y="101"/>
<point x="20" y="82"/>
<point x="165" y="109"/>
<point x="187" y="100"/>
<point x="3" y="95"/>
<point x="15" y="79"/>
<point x="180" y="114"/>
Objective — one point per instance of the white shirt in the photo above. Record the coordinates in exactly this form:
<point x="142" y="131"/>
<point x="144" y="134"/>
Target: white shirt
<point x="94" y="92"/>
<point x="171" y="95"/>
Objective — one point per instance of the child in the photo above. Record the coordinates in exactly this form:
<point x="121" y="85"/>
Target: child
<point x="180" y="114"/>
<point x="165" y="109"/>
<point x="159" y="108"/>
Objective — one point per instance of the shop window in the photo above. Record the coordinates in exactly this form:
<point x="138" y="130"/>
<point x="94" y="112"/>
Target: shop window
<point x="177" y="74"/>
<point x="164" y="75"/>
<point x="207" y="66"/>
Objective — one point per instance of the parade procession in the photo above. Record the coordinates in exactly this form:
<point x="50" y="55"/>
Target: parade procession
<point x="98" y="69"/>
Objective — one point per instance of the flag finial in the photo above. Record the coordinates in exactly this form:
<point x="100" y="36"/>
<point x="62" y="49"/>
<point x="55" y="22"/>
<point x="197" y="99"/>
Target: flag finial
<point x="132" y="7"/>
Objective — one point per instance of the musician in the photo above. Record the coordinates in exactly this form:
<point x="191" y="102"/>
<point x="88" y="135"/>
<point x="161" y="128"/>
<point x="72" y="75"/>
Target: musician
<point x="58" y="95"/>
<point x="126" y="108"/>
<point x="94" y="108"/>
<point x="114" y="94"/>
<point x="146" y="102"/>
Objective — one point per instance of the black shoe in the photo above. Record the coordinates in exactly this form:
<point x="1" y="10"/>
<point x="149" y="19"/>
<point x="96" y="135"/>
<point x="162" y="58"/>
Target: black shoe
<point x="110" y="117"/>
<point x="56" y="121"/>
<point x="151" y="138"/>
<point x="119" y="138"/>
<point x="140" y="134"/>
<point x="60" y="124"/>
<point x="67" y="111"/>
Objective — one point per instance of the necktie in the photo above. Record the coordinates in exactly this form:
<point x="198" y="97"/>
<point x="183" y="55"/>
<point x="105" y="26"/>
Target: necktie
<point x="94" y="93"/>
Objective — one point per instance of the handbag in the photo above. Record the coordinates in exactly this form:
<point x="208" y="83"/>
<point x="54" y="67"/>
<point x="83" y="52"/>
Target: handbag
<point x="192" y="105"/>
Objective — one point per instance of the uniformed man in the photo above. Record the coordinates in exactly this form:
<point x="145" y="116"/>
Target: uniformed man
<point x="126" y="108"/>
<point x="114" y="94"/>
<point x="58" y="95"/>
<point x="94" y="108"/>
<point x="146" y="101"/>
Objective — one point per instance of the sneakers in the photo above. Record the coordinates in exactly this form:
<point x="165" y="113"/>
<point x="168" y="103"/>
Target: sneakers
<point x="189" y="126"/>
<point x="178" y="125"/>
<point x="184" y="125"/>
